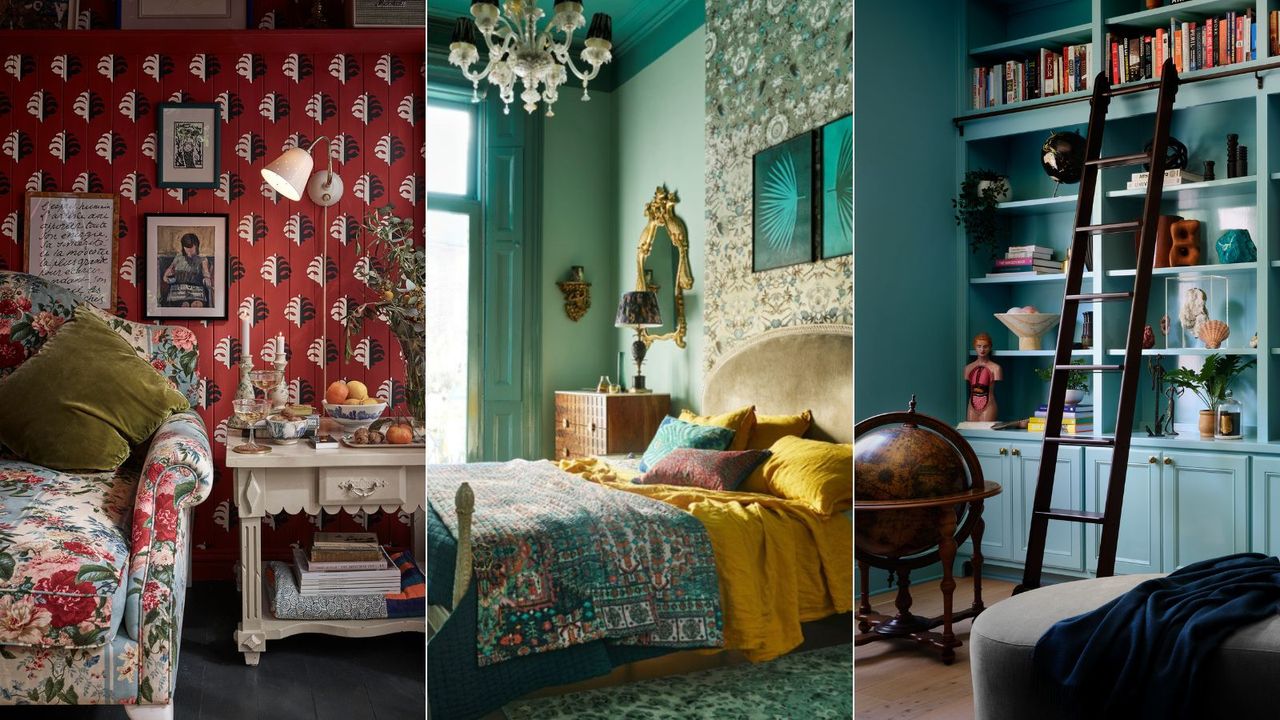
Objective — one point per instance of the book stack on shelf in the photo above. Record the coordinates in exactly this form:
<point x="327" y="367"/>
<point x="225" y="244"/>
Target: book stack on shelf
<point x="1138" y="180"/>
<point x="1026" y="261"/>
<point x="1193" y="45"/>
<point x="1076" y="419"/>
<point x="345" y="564"/>
<point x="1044" y="74"/>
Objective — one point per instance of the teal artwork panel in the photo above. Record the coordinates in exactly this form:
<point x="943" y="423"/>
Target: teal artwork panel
<point x="837" y="188"/>
<point x="783" y="204"/>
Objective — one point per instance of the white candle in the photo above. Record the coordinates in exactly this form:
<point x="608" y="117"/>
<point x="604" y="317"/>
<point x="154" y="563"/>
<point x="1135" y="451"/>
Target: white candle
<point x="280" y="347"/>
<point x="244" y="336"/>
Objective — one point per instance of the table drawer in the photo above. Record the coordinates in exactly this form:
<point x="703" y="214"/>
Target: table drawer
<point x="362" y="485"/>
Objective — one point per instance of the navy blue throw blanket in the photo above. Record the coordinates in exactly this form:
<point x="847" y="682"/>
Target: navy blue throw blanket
<point x="1140" y="654"/>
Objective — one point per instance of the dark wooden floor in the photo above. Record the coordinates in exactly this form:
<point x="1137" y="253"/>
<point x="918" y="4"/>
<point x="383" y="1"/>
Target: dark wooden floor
<point x="305" y="677"/>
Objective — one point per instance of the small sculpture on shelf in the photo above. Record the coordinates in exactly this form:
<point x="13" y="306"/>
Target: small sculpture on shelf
<point x="1175" y="154"/>
<point x="981" y="376"/>
<point x="1233" y="145"/>
<point x="1242" y="161"/>
<point x="1236" y="246"/>
<point x="1185" y="249"/>
<point x="1213" y="333"/>
<point x="1164" y="240"/>
<point x="1062" y="157"/>
<point x="1156" y="368"/>
<point x="1193" y="312"/>
<point x="1148" y="338"/>
<point x="1253" y="341"/>
<point x="1208" y="171"/>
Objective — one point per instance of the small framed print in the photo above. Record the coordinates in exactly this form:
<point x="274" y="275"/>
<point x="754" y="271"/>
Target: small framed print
<point x="72" y="240"/>
<point x="38" y="14"/>
<point x="783" y="204"/>
<point x="837" y="188"/>
<point x="188" y="144"/>
<point x="183" y="14"/>
<point x="185" y="266"/>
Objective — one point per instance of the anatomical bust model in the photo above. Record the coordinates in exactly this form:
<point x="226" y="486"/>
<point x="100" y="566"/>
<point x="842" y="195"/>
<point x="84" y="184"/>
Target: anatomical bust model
<point x="981" y="375"/>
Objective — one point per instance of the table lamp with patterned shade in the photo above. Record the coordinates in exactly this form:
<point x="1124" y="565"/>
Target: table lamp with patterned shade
<point x="638" y="309"/>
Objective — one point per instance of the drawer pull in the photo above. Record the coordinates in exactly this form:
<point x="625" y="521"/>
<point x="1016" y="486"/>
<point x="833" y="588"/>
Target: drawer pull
<point x="368" y="488"/>
<point x="566" y="423"/>
<point x="1004" y="451"/>
<point x="1152" y="460"/>
<point x="1168" y="461"/>
<point x="1017" y="452"/>
<point x="593" y="427"/>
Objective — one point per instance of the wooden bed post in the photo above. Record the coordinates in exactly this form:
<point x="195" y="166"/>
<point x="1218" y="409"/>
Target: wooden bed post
<point x="465" y="503"/>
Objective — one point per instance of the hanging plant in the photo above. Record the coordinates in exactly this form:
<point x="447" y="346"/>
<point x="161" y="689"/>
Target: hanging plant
<point x="980" y="193"/>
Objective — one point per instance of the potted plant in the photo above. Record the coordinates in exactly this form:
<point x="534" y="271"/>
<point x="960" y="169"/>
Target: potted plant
<point x="1077" y="382"/>
<point x="1210" y="384"/>
<point x="980" y="192"/>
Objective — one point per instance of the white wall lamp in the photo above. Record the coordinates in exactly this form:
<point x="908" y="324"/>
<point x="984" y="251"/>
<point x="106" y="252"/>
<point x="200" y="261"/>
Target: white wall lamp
<point x="291" y="172"/>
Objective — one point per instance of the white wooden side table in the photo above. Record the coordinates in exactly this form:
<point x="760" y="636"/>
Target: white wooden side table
<point x="298" y="478"/>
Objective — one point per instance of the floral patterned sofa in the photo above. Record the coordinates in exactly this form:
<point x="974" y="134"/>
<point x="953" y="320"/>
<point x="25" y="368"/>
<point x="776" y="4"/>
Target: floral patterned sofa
<point x="93" y="566"/>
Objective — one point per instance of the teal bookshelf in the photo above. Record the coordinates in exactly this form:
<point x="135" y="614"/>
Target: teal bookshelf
<point x="1186" y="498"/>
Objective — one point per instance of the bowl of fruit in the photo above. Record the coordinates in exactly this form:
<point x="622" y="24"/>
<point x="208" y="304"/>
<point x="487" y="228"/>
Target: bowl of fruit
<point x="287" y="426"/>
<point x="349" y="404"/>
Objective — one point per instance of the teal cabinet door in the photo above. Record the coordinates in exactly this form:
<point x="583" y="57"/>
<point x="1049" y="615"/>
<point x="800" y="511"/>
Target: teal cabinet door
<point x="1265" y="505"/>
<point x="1206" y="507"/>
<point x="997" y="513"/>
<point x="1138" y="548"/>
<point x="1064" y="544"/>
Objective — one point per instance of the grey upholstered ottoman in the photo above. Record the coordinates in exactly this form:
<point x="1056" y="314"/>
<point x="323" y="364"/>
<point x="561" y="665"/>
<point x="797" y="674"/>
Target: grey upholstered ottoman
<point x="1244" y="674"/>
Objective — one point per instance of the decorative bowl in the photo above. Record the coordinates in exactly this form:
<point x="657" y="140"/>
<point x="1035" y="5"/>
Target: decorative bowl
<point x="1028" y="327"/>
<point x="354" y="417"/>
<point x="286" y="431"/>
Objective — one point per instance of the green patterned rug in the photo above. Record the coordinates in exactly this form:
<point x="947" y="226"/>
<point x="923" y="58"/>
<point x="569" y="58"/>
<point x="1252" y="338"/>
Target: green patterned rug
<point x="816" y="684"/>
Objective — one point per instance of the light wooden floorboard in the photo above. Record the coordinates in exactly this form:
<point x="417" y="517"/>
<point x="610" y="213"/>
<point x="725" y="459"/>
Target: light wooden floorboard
<point x="894" y="679"/>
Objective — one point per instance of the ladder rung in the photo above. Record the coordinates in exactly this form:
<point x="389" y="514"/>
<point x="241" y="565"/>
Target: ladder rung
<point x="1086" y="368"/>
<point x="1120" y="160"/>
<point x="1099" y="297"/>
<point x="1088" y="440"/>
<point x="1073" y="515"/>
<point x="1120" y="227"/>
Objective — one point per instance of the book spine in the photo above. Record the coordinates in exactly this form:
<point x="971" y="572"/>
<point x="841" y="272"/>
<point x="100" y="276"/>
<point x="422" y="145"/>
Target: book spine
<point x="1085" y="67"/>
<point x="1273" y="24"/>
<point x="1158" y="49"/>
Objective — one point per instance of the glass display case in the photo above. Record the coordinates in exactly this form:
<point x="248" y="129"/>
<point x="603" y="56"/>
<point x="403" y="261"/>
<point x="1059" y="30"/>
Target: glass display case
<point x="1198" y="313"/>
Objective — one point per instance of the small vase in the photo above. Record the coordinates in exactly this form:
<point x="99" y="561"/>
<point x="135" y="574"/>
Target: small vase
<point x="1208" y="422"/>
<point x="1074" y="397"/>
<point x="415" y="376"/>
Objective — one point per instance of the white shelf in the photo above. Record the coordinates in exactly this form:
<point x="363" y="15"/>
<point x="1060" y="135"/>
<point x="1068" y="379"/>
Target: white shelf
<point x="1037" y="206"/>
<point x="1192" y="351"/>
<point x="1207" y="189"/>
<point x="1226" y="268"/>
<point x="1074" y="35"/>
<point x="1046" y="278"/>
<point x="1031" y="353"/>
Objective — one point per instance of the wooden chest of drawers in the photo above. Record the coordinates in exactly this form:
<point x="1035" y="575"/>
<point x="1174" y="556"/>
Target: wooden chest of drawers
<point x="589" y="423"/>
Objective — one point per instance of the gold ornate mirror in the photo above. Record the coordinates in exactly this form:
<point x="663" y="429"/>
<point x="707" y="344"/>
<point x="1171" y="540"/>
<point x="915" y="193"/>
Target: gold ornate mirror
<point x="665" y="269"/>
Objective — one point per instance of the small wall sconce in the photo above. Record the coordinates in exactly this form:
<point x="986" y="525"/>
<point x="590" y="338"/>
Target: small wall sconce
<point x="290" y="174"/>
<point x="577" y="293"/>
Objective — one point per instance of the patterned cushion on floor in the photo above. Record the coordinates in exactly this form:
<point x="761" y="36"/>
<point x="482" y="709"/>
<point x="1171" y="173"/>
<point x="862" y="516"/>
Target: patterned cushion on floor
<point x="63" y="552"/>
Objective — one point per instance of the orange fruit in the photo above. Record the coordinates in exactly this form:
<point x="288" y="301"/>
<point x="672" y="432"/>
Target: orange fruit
<point x="399" y="434"/>
<point x="337" y="393"/>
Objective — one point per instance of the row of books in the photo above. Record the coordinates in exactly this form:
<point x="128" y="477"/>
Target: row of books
<point x="1037" y="425"/>
<point x="1076" y="419"/>
<point x="1044" y="74"/>
<point x="1138" y="180"/>
<point x="1027" y="260"/>
<point x="1193" y="45"/>
<point x="345" y="564"/>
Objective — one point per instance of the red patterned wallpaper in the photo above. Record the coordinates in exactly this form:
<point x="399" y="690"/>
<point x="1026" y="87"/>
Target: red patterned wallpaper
<point x="73" y="118"/>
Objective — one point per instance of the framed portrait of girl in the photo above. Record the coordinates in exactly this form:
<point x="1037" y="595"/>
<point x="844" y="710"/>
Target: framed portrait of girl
<point x="186" y="267"/>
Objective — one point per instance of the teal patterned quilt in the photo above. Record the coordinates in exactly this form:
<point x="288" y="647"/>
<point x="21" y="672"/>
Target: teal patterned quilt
<point x="560" y="561"/>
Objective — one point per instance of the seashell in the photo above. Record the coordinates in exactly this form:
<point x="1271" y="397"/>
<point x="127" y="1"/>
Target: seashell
<point x="1213" y="332"/>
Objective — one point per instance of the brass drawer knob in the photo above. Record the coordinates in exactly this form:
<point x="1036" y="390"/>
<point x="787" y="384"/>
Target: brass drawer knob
<point x="1017" y="452"/>
<point x="1004" y="451"/>
<point x="1152" y="460"/>
<point x="1168" y="461"/>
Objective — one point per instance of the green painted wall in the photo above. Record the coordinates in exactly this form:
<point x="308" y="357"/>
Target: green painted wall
<point x="904" y="229"/>
<point x="660" y="141"/>
<point x="579" y="176"/>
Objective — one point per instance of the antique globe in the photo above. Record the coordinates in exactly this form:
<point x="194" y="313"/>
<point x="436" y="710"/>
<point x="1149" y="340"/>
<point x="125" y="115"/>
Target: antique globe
<point x="1062" y="156"/>
<point x="904" y="461"/>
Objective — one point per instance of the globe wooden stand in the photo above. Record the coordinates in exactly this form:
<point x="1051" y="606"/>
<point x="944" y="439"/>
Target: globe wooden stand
<point x="873" y="626"/>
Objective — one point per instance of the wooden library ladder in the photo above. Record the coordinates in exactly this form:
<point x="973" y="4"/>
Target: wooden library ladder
<point x="1145" y="227"/>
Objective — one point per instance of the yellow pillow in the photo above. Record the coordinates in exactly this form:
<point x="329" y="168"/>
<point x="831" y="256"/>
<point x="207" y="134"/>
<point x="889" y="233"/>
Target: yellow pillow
<point x="770" y="428"/>
<point x="818" y="473"/>
<point x="739" y="421"/>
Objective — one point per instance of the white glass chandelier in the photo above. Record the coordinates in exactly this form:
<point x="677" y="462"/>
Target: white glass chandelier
<point x="520" y="52"/>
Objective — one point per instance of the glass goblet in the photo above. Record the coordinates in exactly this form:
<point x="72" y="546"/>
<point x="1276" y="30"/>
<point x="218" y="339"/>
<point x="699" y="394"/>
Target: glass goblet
<point x="264" y="380"/>
<point x="250" y="412"/>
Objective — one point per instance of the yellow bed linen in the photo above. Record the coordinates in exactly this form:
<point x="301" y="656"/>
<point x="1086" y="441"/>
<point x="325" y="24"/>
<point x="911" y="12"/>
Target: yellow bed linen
<point x="780" y="563"/>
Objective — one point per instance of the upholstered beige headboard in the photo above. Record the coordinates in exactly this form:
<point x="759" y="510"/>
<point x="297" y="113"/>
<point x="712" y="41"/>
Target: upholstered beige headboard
<point x="783" y="371"/>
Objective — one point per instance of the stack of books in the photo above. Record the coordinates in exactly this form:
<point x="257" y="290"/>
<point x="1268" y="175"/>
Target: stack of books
<point x="345" y="564"/>
<point x="1197" y="45"/>
<point x="1076" y="419"/>
<point x="1138" y="180"/>
<point x="1045" y="74"/>
<point x="1026" y="260"/>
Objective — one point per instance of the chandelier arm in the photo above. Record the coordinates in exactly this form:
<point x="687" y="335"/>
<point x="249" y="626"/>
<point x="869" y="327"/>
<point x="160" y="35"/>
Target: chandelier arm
<point x="585" y="77"/>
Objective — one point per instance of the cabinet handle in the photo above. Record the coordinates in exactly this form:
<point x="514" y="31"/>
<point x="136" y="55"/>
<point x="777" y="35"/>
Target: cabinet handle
<point x="364" y="491"/>
<point x="1168" y="461"/>
<point x="593" y="427"/>
<point x="566" y="423"/>
<point x="1017" y="452"/>
<point x="1004" y="451"/>
<point x="1152" y="460"/>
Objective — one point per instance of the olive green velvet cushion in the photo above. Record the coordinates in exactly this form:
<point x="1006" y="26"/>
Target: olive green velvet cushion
<point x="83" y="400"/>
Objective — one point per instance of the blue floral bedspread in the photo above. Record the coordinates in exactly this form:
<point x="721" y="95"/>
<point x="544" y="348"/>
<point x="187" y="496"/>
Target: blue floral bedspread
<point x="559" y="562"/>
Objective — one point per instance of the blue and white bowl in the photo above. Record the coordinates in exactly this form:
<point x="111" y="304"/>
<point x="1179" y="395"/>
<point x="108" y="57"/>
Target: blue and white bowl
<point x="354" y="417"/>
<point x="286" y="431"/>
